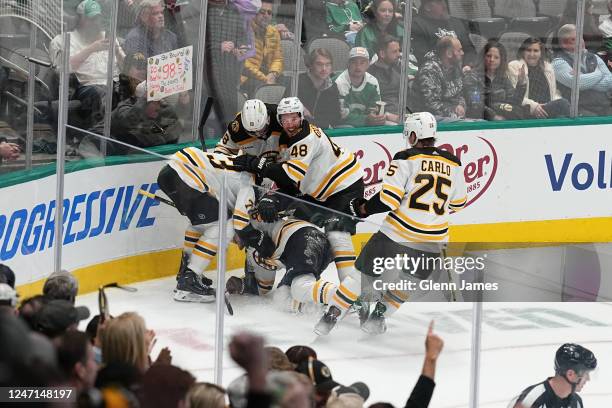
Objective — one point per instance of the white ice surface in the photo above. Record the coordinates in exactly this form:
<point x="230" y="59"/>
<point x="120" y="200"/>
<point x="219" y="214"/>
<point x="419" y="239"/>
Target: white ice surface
<point x="518" y="342"/>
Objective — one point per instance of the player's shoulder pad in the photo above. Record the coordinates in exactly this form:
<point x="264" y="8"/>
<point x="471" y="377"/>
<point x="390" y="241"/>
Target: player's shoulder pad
<point x="236" y="130"/>
<point x="406" y="154"/>
<point x="448" y="155"/>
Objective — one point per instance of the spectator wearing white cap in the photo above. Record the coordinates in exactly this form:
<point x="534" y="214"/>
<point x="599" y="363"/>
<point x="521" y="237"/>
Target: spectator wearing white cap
<point x="359" y="91"/>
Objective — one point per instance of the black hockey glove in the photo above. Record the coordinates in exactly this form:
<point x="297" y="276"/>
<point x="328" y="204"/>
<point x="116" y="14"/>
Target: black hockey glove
<point x="267" y="208"/>
<point x="250" y="163"/>
<point x="354" y="207"/>
<point x="263" y="245"/>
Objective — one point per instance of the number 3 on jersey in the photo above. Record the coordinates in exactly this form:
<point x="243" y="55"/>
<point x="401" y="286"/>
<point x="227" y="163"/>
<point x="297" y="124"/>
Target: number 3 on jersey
<point x="428" y="182"/>
<point x="299" y="150"/>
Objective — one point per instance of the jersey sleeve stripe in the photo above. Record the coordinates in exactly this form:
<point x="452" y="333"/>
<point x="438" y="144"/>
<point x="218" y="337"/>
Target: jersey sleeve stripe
<point x="283" y="230"/>
<point x="303" y="166"/>
<point x="193" y="234"/>
<point x="398" y="191"/>
<point x="409" y="220"/>
<point x="239" y="224"/>
<point x="390" y="199"/>
<point x="241" y="214"/>
<point x="293" y="174"/>
<point x="354" y="168"/>
<point x="192" y="174"/>
<point x="331" y="174"/>
<point x="247" y="141"/>
<point x="341" y="173"/>
<point x="224" y="150"/>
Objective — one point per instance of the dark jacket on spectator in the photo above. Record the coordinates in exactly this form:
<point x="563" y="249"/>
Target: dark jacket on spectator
<point x="427" y="31"/>
<point x="486" y="97"/>
<point x="439" y="89"/>
<point x="130" y="124"/>
<point x="323" y="104"/>
<point x="140" y="40"/>
<point x="389" y="83"/>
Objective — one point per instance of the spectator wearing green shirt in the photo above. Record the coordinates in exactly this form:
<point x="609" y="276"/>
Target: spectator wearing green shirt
<point x="359" y="92"/>
<point x="382" y="16"/>
<point x="344" y="18"/>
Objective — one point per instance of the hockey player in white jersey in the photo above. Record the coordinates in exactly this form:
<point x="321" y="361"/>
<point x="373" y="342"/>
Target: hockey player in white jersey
<point x="421" y="186"/>
<point x="255" y="131"/>
<point x="192" y="180"/>
<point x="295" y="245"/>
<point x="317" y="170"/>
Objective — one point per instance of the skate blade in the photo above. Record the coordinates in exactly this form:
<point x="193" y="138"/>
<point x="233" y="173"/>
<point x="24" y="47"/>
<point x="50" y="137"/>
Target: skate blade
<point x="185" y="296"/>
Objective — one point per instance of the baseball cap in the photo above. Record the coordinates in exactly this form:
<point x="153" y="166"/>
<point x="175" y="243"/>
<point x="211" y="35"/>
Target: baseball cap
<point x="57" y="315"/>
<point x="89" y="8"/>
<point x="359" y="52"/>
<point x="8" y="296"/>
<point x="318" y="373"/>
<point x="358" y="388"/>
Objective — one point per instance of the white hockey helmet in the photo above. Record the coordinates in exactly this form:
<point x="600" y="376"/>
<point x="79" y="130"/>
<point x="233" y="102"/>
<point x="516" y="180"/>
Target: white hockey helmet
<point x="291" y="104"/>
<point x="254" y="116"/>
<point x="422" y="124"/>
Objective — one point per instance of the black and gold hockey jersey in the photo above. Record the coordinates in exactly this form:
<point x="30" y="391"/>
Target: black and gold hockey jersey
<point x="237" y="140"/>
<point x="318" y="166"/>
<point x="279" y="231"/>
<point x="420" y="188"/>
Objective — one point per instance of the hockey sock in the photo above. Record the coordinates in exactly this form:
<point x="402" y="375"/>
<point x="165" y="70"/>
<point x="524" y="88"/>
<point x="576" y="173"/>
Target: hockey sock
<point x="305" y="288"/>
<point x="203" y="252"/>
<point x="344" y="253"/>
<point x="348" y="292"/>
<point x="393" y="300"/>
<point x="265" y="286"/>
<point x="191" y="238"/>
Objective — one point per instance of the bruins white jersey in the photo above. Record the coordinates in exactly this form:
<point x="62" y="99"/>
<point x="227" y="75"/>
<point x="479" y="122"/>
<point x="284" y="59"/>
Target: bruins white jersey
<point x="421" y="187"/>
<point x="279" y="231"/>
<point x="318" y="166"/>
<point x="203" y="172"/>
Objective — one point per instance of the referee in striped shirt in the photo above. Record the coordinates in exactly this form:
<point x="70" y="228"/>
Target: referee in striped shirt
<point x="573" y="364"/>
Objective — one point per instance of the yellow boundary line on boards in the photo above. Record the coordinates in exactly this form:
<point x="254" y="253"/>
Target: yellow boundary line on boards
<point x="160" y="264"/>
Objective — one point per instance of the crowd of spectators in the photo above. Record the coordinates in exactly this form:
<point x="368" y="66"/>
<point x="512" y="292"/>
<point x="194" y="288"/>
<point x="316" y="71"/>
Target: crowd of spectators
<point x="449" y="73"/>
<point x="110" y="363"/>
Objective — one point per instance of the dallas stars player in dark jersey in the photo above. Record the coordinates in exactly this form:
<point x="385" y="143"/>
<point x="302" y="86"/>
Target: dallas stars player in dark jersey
<point x="254" y="131"/>
<point x="573" y="364"/>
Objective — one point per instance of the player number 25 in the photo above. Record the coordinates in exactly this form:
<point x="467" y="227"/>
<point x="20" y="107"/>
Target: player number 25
<point x="429" y="181"/>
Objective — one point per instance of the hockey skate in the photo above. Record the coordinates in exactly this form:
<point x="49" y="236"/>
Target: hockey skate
<point x="328" y="321"/>
<point x="193" y="288"/>
<point x="362" y="308"/>
<point x="375" y="324"/>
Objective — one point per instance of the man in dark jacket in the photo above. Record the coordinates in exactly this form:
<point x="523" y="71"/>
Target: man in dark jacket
<point x="387" y="70"/>
<point x="433" y="23"/>
<point x="318" y="92"/>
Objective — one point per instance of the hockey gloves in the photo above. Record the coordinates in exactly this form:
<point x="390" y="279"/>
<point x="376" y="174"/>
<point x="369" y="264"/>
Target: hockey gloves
<point x="268" y="209"/>
<point x="250" y="163"/>
<point x="263" y="245"/>
<point x="355" y="207"/>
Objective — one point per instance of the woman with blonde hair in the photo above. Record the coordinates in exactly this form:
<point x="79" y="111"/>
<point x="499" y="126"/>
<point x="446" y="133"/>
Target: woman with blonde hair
<point x="206" y="395"/>
<point x="125" y="339"/>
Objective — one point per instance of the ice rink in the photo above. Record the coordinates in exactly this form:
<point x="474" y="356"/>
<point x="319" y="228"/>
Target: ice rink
<point x="518" y="342"/>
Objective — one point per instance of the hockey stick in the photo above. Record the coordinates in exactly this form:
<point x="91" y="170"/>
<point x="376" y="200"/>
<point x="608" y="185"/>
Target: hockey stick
<point x="203" y="119"/>
<point x="156" y="197"/>
<point x="152" y="196"/>
<point x="103" y="300"/>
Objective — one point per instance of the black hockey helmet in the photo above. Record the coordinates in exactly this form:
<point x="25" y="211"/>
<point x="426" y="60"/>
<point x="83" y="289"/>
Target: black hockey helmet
<point x="571" y="356"/>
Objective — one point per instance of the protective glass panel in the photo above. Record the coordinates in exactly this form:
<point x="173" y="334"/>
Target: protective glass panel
<point x="491" y="78"/>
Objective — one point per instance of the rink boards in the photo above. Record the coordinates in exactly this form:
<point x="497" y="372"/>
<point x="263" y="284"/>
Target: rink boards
<point x="524" y="185"/>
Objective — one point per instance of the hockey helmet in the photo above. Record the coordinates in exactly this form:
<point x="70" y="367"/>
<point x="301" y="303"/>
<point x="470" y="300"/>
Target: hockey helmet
<point x="255" y="116"/>
<point x="571" y="356"/>
<point x="422" y="124"/>
<point x="291" y="104"/>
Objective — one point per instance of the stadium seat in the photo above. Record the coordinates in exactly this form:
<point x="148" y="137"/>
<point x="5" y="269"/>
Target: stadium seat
<point x="514" y="8"/>
<point x="338" y="48"/>
<point x="469" y="9"/>
<point x="270" y="93"/>
<point x="490" y="27"/>
<point x="478" y="41"/>
<point x="552" y="8"/>
<point x="512" y="41"/>
<point x="288" y="49"/>
<point x="536" y="26"/>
